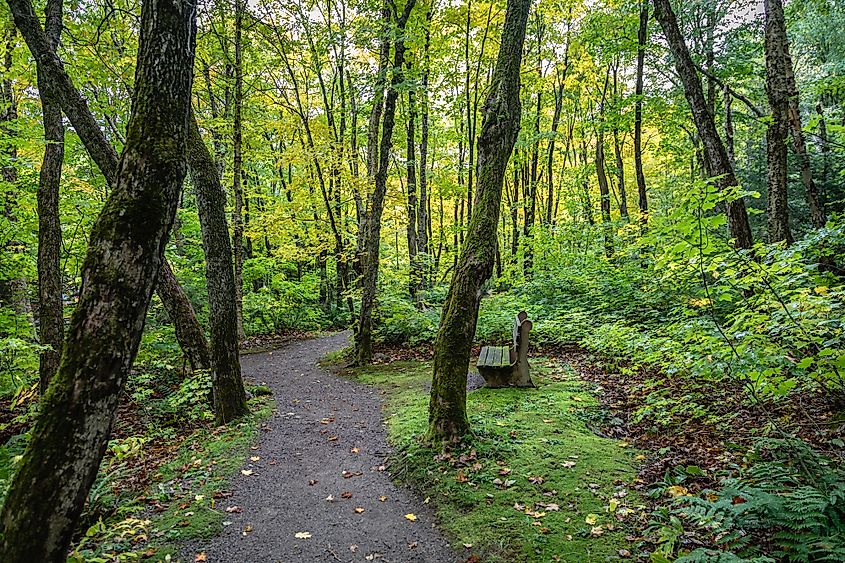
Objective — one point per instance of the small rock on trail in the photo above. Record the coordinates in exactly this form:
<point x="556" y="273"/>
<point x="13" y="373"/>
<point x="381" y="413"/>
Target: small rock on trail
<point x="319" y="491"/>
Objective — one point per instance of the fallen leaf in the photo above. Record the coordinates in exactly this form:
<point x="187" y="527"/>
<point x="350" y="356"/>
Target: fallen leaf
<point x="359" y="510"/>
<point x="330" y="498"/>
<point x="353" y="548"/>
<point x="504" y="471"/>
<point x="596" y="531"/>
<point x="312" y="482"/>
<point x="354" y="450"/>
<point x="332" y="438"/>
<point x="234" y="510"/>
<point x="612" y="505"/>
<point x="247" y="529"/>
<point x="624" y="553"/>
<point x="349" y="474"/>
<point x="412" y="545"/>
<point x="246" y="471"/>
<point x="467" y="545"/>
<point x="382" y="498"/>
<point x="677" y="491"/>
<point x="345" y="494"/>
<point x="382" y="468"/>
<point x="201" y="557"/>
<point x="302" y="535"/>
<point x="255" y="458"/>
<point x="412" y="517"/>
<point x="548" y="420"/>
<point x="591" y="519"/>
<point x="568" y="464"/>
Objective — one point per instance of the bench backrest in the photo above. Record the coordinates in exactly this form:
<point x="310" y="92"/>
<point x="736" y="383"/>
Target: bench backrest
<point x="521" y="327"/>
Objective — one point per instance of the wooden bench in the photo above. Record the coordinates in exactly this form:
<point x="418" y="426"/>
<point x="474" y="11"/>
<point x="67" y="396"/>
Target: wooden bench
<point x="507" y="366"/>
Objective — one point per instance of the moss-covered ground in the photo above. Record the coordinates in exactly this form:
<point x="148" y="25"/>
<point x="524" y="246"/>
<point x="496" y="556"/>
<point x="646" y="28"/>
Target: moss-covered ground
<point x="534" y="484"/>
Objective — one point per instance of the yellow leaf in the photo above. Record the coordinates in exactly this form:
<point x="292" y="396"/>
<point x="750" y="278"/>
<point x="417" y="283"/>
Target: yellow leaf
<point x="255" y="458"/>
<point x="359" y="510"/>
<point x="613" y="505"/>
<point x="677" y="491"/>
<point x="246" y="471"/>
<point x="591" y="519"/>
<point x="412" y="517"/>
<point x="302" y="535"/>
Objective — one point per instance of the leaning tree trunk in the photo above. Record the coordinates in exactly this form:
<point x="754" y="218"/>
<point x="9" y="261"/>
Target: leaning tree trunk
<point x="364" y="333"/>
<point x="229" y="394"/>
<point x="777" y="210"/>
<point x="447" y="416"/>
<point x="227" y="385"/>
<point x="714" y="150"/>
<point x="125" y="253"/>
<point x="189" y="332"/>
<point x="50" y="314"/>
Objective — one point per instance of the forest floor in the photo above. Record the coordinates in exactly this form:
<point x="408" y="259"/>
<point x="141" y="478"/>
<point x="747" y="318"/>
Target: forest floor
<point x="315" y="486"/>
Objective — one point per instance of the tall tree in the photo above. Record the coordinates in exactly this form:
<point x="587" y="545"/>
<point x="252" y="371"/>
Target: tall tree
<point x="447" y="416"/>
<point x="50" y="316"/>
<point x="230" y="399"/>
<point x="777" y="210"/>
<point x="237" y="166"/>
<point x="714" y="150"/>
<point x="364" y="332"/>
<point x="642" y="33"/>
<point x="125" y="253"/>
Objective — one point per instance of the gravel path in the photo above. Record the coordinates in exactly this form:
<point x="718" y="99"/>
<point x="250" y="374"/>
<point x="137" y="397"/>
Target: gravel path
<point x="327" y="439"/>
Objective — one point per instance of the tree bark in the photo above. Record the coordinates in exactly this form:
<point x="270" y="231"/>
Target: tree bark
<point x="364" y="334"/>
<point x="642" y="33"/>
<point x="411" y="170"/>
<point x="423" y="218"/>
<point x="189" y="333"/>
<point x="604" y="192"/>
<point x="119" y="273"/>
<point x="714" y="149"/>
<point x="777" y="210"/>
<point x="228" y="387"/>
<point x="237" y="169"/>
<point x="448" y="421"/>
<point x="50" y="312"/>
<point x="818" y="217"/>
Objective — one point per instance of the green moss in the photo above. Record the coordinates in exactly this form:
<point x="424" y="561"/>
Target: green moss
<point x="531" y="448"/>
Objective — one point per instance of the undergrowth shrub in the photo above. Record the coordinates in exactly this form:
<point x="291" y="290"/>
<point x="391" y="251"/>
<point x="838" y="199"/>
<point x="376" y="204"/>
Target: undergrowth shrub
<point x="788" y="505"/>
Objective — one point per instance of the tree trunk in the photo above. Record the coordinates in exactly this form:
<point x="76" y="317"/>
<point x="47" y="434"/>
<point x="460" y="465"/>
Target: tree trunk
<point x="228" y="387"/>
<point x="237" y="169"/>
<point x="714" y="149"/>
<point x="189" y="333"/>
<point x="774" y="12"/>
<point x="604" y="192"/>
<point x="777" y="210"/>
<point x="642" y="32"/>
<point x="448" y="421"/>
<point x="50" y="311"/>
<point x="124" y="255"/>
<point x="423" y="219"/>
<point x="411" y="168"/>
<point x="14" y="291"/>
<point x="824" y="143"/>
<point x="364" y="334"/>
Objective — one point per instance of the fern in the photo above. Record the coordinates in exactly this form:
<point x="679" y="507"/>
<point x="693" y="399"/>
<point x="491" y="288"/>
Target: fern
<point x="791" y="499"/>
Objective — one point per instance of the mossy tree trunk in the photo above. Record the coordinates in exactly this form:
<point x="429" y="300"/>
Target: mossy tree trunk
<point x="447" y="417"/>
<point x="50" y="315"/>
<point x="124" y="256"/>
<point x="715" y="154"/>
<point x="228" y="387"/>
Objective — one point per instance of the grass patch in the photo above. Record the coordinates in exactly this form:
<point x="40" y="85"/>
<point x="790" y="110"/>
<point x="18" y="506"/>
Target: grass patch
<point x="533" y="485"/>
<point x="184" y="502"/>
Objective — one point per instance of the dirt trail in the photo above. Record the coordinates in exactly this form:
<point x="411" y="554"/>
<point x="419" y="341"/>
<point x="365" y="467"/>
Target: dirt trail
<point x="326" y="428"/>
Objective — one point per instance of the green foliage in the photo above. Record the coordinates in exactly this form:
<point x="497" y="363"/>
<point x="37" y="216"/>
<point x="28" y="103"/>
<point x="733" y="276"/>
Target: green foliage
<point x="791" y="497"/>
